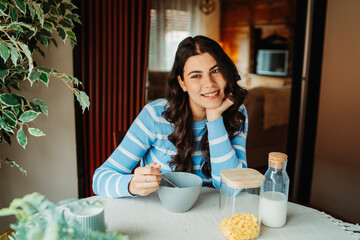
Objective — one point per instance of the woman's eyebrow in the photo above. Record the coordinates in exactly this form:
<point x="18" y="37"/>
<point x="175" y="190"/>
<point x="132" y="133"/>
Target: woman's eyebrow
<point x="215" y="66"/>
<point x="196" y="71"/>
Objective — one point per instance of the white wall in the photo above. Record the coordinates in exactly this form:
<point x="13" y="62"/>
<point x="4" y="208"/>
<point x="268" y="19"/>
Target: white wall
<point x="50" y="161"/>
<point x="212" y="22"/>
<point x="336" y="178"/>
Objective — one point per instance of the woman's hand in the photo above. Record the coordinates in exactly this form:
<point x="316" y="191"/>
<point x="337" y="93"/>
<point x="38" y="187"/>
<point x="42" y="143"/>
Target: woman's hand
<point x="146" y="180"/>
<point x="215" y="113"/>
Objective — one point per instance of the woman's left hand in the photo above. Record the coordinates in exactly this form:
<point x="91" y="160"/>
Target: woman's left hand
<point x="215" y="113"/>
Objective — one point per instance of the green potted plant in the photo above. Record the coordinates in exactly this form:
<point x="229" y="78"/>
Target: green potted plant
<point x="38" y="218"/>
<point x="27" y="26"/>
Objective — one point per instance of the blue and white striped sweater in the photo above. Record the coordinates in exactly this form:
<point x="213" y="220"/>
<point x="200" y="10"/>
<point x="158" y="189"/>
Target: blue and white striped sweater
<point x="147" y="141"/>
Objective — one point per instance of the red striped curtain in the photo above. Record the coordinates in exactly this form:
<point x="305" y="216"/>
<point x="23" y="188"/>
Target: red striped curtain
<point x="112" y="65"/>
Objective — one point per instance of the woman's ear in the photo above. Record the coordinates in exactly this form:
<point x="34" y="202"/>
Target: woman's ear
<point x="181" y="83"/>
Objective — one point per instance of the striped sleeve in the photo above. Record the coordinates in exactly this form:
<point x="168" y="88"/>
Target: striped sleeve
<point x="112" y="178"/>
<point x="225" y="154"/>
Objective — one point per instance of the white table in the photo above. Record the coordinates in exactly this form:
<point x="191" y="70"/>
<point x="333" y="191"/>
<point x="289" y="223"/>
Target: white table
<point x="146" y="218"/>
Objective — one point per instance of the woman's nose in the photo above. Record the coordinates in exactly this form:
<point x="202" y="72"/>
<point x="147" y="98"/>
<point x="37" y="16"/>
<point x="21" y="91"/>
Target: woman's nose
<point x="209" y="80"/>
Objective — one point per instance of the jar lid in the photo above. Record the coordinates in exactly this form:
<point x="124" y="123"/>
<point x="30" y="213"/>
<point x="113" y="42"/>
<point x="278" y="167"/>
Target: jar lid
<point x="242" y="177"/>
<point x="277" y="159"/>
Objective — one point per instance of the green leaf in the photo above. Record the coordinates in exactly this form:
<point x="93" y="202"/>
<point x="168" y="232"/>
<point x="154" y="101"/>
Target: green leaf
<point x="16" y="26"/>
<point x="10" y="99"/>
<point x="53" y="3"/>
<point x="36" y="132"/>
<point x="42" y="106"/>
<point x="71" y="34"/>
<point x="28" y="116"/>
<point x="62" y="33"/>
<point x="75" y="81"/>
<point x="66" y="23"/>
<point x="34" y="76"/>
<point x="54" y="11"/>
<point x="9" y="118"/>
<point x="70" y="6"/>
<point x="15" y="84"/>
<point x="5" y="127"/>
<point x="73" y="42"/>
<point x="21" y="137"/>
<point x="45" y="41"/>
<point x="83" y="99"/>
<point x="7" y="137"/>
<point x="4" y="51"/>
<point x="14" y="55"/>
<point x="3" y="73"/>
<point x="19" y="68"/>
<point x="48" y="26"/>
<point x="35" y="107"/>
<point x="32" y="11"/>
<point x="28" y="26"/>
<point x="24" y="101"/>
<point x="44" y="78"/>
<point x="45" y="32"/>
<point x="28" y="55"/>
<point x="16" y="110"/>
<point x="20" y="4"/>
<point x="38" y="37"/>
<point x="72" y="16"/>
<point x="43" y="69"/>
<point x="12" y="163"/>
<point x="77" y="20"/>
<point x="30" y="34"/>
<point x="53" y="21"/>
<point x="62" y="9"/>
<point x="46" y="7"/>
<point x="13" y="14"/>
<point x="3" y="7"/>
<point x="39" y="12"/>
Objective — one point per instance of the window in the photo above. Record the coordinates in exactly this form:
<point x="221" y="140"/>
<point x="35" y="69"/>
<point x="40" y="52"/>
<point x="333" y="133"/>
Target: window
<point x="170" y="22"/>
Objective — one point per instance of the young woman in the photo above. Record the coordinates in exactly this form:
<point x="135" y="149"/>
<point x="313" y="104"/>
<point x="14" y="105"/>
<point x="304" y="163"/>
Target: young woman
<point x="200" y="127"/>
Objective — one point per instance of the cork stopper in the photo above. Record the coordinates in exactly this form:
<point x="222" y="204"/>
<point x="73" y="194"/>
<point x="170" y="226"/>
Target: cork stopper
<point x="277" y="159"/>
<point x="242" y="177"/>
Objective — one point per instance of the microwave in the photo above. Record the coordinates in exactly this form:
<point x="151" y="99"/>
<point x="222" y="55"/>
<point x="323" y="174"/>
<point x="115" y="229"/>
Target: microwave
<point x="272" y="62"/>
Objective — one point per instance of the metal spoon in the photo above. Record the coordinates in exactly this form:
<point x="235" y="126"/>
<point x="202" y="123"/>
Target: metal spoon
<point x="172" y="184"/>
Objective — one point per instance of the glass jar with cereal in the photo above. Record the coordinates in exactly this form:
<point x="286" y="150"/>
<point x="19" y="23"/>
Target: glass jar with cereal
<point x="239" y="204"/>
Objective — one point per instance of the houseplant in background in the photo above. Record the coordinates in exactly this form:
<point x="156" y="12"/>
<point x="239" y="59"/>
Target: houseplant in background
<point x="38" y="218"/>
<point x="27" y="26"/>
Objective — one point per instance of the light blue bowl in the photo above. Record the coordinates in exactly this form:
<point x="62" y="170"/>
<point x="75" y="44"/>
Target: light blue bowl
<point x="183" y="198"/>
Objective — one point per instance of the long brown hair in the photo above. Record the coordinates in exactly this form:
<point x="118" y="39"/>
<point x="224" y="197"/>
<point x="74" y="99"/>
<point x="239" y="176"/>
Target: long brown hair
<point x="178" y="111"/>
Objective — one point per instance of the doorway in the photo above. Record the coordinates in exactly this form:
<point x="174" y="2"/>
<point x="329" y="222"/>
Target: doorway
<point x="266" y="39"/>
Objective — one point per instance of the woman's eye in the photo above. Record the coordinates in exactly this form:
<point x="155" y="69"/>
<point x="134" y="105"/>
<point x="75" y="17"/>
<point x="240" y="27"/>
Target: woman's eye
<point x="196" y="76"/>
<point x="215" y="71"/>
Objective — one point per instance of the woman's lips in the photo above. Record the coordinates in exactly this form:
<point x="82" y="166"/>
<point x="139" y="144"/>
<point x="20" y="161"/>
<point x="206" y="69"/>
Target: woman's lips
<point x="211" y="95"/>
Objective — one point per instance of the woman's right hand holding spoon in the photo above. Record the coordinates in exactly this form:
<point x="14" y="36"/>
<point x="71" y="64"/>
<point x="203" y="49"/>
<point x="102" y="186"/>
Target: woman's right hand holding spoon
<point x="145" y="180"/>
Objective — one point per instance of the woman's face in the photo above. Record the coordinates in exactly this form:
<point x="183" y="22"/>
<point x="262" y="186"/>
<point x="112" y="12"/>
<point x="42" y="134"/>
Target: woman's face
<point x="204" y="84"/>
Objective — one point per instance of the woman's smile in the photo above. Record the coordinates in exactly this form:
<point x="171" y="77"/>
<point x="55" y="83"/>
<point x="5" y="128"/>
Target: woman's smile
<point x="211" y="95"/>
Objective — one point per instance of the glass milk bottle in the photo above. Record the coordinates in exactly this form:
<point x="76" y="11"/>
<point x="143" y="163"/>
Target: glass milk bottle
<point x="275" y="189"/>
<point x="240" y="190"/>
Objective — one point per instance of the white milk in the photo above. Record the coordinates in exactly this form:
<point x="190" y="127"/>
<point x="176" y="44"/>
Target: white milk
<point x="273" y="209"/>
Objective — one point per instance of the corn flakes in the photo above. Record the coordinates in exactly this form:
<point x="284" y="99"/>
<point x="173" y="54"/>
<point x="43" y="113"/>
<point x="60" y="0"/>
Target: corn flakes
<point x="243" y="226"/>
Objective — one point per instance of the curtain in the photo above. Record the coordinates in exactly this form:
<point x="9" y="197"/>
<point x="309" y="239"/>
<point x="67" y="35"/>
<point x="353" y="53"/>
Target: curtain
<point x="111" y="60"/>
<point x="171" y="22"/>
